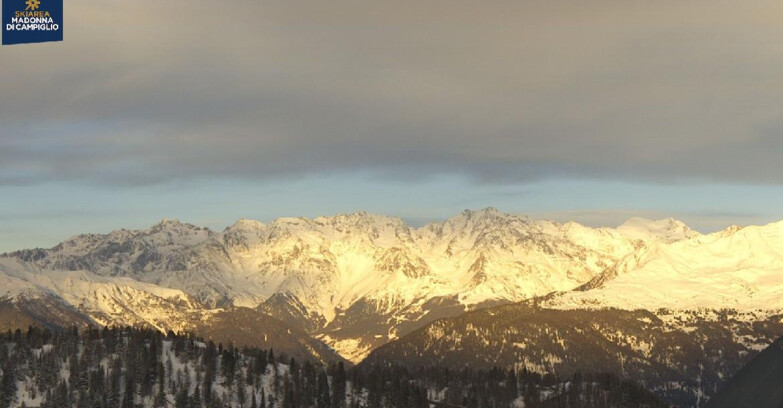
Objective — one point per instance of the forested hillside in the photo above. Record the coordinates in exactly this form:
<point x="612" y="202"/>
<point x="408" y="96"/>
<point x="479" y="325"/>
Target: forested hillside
<point x="682" y="357"/>
<point x="124" y="368"/>
<point x="757" y="385"/>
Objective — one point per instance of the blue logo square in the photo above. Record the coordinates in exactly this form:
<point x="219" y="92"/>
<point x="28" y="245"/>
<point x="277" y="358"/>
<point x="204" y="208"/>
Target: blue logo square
<point x="32" y="21"/>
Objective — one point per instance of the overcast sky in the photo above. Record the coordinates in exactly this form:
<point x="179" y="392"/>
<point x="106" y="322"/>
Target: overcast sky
<point x="208" y="112"/>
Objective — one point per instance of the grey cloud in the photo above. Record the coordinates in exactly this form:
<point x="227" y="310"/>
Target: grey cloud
<point x="145" y="92"/>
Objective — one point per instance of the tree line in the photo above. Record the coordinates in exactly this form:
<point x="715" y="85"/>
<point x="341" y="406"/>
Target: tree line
<point x="144" y="368"/>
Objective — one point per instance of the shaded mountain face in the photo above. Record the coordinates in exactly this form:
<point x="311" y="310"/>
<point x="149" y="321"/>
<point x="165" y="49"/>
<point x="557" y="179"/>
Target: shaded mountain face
<point x="682" y="356"/>
<point x="355" y="281"/>
<point x="46" y="312"/>
<point x="757" y="385"/>
<point x="238" y="326"/>
<point x="247" y="327"/>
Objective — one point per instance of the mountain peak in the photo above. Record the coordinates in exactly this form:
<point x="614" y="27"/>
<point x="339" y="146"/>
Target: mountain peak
<point x="169" y="221"/>
<point x="667" y="229"/>
<point x="356" y="216"/>
<point x="169" y="226"/>
<point x="482" y="212"/>
<point x="245" y="224"/>
<point x="359" y="218"/>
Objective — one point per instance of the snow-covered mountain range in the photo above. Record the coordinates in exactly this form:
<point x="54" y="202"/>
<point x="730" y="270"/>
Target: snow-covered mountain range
<point x="737" y="268"/>
<point x="358" y="281"/>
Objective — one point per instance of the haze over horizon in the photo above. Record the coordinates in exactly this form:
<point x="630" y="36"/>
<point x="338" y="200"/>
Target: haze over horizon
<point x="566" y="111"/>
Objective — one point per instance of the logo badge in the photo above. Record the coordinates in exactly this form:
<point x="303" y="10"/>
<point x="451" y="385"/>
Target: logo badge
<point x="32" y="21"/>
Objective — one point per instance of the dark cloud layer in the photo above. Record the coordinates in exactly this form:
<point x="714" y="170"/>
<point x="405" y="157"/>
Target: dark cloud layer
<point x="503" y="91"/>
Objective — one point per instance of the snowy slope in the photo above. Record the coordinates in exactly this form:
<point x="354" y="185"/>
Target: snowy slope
<point x="359" y="281"/>
<point x="681" y="312"/>
<point x="480" y="256"/>
<point x="355" y="280"/>
<point x="107" y="300"/>
<point x="738" y="268"/>
<point x="61" y="299"/>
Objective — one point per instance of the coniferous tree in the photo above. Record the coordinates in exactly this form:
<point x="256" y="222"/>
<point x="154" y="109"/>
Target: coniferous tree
<point x="228" y="366"/>
<point x="195" y="399"/>
<point x="307" y="390"/>
<point x="182" y="399"/>
<point x="129" y="397"/>
<point x="323" y="399"/>
<point x="7" y="384"/>
<point x="241" y="394"/>
<point x="339" y="386"/>
<point x="288" y="394"/>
